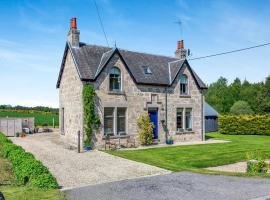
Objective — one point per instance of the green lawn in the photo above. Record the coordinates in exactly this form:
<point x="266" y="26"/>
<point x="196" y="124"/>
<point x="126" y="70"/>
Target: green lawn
<point x="12" y="191"/>
<point x="39" y="118"/>
<point x="197" y="157"/>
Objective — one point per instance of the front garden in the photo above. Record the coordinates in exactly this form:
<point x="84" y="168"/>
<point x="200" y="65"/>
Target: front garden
<point x="198" y="157"/>
<point x="24" y="177"/>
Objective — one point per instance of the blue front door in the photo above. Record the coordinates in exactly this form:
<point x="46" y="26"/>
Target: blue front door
<point x="153" y="114"/>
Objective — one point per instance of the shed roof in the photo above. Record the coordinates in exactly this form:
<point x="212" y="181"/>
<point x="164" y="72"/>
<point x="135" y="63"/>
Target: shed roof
<point x="209" y="110"/>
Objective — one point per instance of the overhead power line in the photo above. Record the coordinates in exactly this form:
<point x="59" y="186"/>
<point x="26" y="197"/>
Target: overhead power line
<point x="228" y="52"/>
<point x="101" y="24"/>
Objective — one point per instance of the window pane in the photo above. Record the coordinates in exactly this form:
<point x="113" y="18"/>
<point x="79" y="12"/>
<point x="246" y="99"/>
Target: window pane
<point x="179" y="119"/>
<point x="188" y="118"/>
<point x="115" y="79"/>
<point x="121" y="121"/>
<point x="108" y="121"/>
<point x="183" y="84"/>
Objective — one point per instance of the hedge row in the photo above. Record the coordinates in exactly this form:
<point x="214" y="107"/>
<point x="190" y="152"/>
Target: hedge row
<point x="244" y="124"/>
<point x="26" y="168"/>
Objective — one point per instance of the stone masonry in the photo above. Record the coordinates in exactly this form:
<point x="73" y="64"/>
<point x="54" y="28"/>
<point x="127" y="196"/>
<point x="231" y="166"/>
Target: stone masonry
<point x="70" y="102"/>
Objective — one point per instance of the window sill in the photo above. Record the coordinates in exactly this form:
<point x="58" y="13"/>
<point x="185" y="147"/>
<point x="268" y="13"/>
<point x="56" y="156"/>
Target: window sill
<point x="116" y="92"/>
<point x="184" y="96"/>
<point x="184" y="132"/>
<point x="116" y="137"/>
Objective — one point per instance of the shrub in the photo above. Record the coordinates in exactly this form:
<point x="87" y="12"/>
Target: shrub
<point x="145" y="129"/>
<point x="244" y="125"/>
<point x="44" y="180"/>
<point x="26" y="168"/>
<point x="241" y="108"/>
<point x="256" y="163"/>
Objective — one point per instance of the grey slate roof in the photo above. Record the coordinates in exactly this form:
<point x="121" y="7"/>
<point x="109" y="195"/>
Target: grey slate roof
<point x="91" y="59"/>
<point x="209" y="110"/>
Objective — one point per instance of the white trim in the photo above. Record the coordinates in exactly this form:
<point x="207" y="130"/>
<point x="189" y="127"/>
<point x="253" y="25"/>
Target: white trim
<point x="98" y="70"/>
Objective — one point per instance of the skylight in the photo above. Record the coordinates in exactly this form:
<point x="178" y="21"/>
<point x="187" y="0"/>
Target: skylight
<point x="147" y="70"/>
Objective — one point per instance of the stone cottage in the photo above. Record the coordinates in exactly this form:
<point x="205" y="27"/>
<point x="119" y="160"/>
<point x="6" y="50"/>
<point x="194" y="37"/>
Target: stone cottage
<point x="127" y="84"/>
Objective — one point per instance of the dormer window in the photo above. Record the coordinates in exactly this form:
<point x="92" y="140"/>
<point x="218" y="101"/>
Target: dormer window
<point x="183" y="84"/>
<point x="146" y="70"/>
<point x="115" y="79"/>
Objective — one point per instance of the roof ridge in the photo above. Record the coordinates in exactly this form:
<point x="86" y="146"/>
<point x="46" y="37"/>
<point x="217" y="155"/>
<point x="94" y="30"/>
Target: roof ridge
<point x="131" y="51"/>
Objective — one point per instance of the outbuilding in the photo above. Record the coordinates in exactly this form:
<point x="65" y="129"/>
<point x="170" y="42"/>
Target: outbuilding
<point x="211" y="118"/>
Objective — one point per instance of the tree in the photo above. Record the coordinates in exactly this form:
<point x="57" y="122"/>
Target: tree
<point x="263" y="99"/>
<point x="241" y="108"/>
<point x="218" y="96"/>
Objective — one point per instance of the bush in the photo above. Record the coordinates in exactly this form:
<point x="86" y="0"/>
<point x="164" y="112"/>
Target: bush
<point x="145" y="129"/>
<point x="241" y="108"/>
<point x="244" y="125"/>
<point x="26" y="168"/>
<point x="44" y="180"/>
<point x="256" y="163"/>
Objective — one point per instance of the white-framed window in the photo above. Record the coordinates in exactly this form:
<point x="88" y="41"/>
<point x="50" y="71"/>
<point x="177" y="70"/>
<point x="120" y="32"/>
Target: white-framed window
<point x="115" y="121"/>
<point x="184" y="120"/>
<point x="115" y="79"/>
<point x="188" y="119"/>
<point x="183" y="84"/>
<point x="179" y="119"/>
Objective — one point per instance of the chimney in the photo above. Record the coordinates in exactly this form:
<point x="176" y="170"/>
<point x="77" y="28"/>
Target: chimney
<point x="74" y="34"/>
<point x="180" y="52"/>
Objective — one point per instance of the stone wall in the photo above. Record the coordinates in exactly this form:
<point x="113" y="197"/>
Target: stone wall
<point x="70" y="99"/>
<point x="138" y="98"/>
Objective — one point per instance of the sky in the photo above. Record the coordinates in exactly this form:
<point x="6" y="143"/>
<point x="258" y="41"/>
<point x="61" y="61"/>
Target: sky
<point x="33" y="35"/>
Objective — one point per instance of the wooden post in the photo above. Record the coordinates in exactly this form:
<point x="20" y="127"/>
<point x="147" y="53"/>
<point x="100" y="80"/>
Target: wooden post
<point x="79" y="142"/>
<point x="53" y="123"/>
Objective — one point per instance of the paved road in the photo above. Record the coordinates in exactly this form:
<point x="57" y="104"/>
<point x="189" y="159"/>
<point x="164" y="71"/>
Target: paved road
<point x="183" y="185"/>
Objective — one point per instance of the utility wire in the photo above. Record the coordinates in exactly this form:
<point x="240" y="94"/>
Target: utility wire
<point x="101" y="24"/>
<point x="228" y="52"/>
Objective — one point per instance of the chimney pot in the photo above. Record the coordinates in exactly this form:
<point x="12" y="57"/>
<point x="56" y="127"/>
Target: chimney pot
<point x="73" y="23"/>
<point x="180" y="44"/>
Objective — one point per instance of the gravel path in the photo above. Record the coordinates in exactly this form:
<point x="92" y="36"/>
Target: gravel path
<point x="75" y="170"/>
<point x="180" y="186"/>
<point x="235" y="167"/>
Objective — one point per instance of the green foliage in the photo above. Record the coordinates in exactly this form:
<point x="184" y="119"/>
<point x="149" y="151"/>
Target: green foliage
<point x="244" y="125"/>
<point x="222" y="95"/>
<point x="145" y="129"/>
<point x="90" y="118"/>
<point x="241" y="108"/>
<point x="26" y="168"/>
<point x="256" y="163"/>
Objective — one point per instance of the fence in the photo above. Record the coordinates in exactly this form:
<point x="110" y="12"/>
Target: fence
<point x="10" y="126"/>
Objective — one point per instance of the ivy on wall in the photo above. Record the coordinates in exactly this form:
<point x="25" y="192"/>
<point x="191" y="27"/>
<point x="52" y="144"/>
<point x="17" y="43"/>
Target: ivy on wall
<point x="90" y="118"/>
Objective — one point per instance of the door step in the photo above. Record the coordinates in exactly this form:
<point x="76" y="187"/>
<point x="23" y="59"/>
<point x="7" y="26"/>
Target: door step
<point x="156" y="141"/>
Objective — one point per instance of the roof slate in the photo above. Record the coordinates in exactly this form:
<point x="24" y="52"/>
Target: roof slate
<point x="91" y="59"/>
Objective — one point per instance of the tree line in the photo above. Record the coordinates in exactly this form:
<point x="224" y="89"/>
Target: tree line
<point x="239" y="97"/>
<point x="36" y="108"/>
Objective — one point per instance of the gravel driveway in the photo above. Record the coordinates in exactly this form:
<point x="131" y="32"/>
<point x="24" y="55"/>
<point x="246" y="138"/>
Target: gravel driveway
<point x="75" y="170"/>
<point x="180" y="186"/>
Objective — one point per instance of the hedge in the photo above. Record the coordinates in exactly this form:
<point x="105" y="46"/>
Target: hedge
<point x="244" y="124"/>
<point x="27" y="170"/>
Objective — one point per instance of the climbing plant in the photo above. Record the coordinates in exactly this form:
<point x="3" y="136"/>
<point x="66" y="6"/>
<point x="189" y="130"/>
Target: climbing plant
<point x="90" y="119"/>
